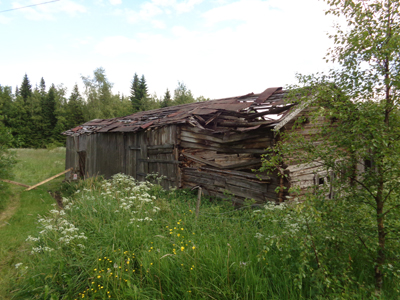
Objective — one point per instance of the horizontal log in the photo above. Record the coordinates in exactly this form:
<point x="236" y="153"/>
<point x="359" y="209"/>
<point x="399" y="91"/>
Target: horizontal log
<point x="222" y="180"/>
<point x="306" y="177"/>
<point x="163" y="161"/>
<point x="196" y="145"/>
<point x="299" y="167"/>
<point x="199" y="159"/>
<point x="259" y="143"/>
<point x="233" y="166"/>
<point x="239" y="173"/>
<point x="156" y="151"/>
<point x="236" y="150"/>
<point x="165" y="146"/>
<point x="16" y="183"/>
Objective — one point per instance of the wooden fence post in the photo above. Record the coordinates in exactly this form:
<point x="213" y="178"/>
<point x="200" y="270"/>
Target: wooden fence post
<point x="198" y="202"/>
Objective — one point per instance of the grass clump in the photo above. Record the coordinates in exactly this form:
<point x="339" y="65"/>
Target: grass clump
<point x="123" y="239"/>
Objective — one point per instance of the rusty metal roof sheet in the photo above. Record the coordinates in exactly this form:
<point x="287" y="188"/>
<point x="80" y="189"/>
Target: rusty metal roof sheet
<point x="241" y="113"/>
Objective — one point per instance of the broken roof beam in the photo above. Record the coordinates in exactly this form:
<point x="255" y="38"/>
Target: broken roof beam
<point x="243" y="124"/>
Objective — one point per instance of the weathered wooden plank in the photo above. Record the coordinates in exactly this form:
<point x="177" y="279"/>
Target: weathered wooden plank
<point x="163" y="161"/>
<point x="306" y="177"/>
<point x="250" y="163"/>
<point x="222" y="180"/>
<point x="241" y="124"/>
<point x="239" y="173"/>
<point x="199" y="159"/>
<point x="16" y="183"/>
<point x="48" y="179"/>
<point x="196" y="145"/>
<point x="156" y="147"/>
<point x="241" y="150"/>
<point x="299" y="167"/>
<point x="155" y="151"/>
<point x="230" y="137"/>
<point x="233" y="166"/>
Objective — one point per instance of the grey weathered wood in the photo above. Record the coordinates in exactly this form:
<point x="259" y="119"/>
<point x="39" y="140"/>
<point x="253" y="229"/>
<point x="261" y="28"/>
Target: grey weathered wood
<point x="156" y="147"/>
<point x="163" y="161"/>
<point x="16" y="183"/>
<point x="239" y="173"/>
<point x="236" y="150"/>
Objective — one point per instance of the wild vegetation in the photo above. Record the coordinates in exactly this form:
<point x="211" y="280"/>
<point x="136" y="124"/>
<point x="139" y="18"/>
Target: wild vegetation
<point x="122" y="239"/>
<point x="36" y="116"/>
<point x="358" y="141"/>
<point x="18" y="218"/>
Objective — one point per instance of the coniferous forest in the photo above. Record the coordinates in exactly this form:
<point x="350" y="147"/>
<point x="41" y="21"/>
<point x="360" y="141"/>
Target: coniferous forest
<point x="35" y="116"/>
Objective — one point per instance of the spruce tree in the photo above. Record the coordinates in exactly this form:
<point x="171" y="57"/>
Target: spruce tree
<point x="142" y="93"/>
<point x="42" y="87"/>
<point x="26" y="88"/>
<point x="135" y="100"/>
<point x="75" y="108"/>
<point x="167" y="100"/>
<point x="49" y="118"/>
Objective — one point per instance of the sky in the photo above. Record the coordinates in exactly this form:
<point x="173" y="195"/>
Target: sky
<point x="217" y="48"/>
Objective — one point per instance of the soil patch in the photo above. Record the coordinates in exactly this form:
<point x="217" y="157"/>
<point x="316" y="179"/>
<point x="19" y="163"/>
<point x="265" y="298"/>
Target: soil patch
<point x="57" y="196"/>
<point x="9" y="211"/>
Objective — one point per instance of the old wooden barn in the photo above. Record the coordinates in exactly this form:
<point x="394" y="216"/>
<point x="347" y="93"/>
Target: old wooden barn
<point x="215" y="144"/>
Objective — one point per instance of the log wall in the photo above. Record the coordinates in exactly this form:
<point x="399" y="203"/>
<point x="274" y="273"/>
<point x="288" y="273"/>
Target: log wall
<point x="303" y="175"/>
<point x="222" y="163"/>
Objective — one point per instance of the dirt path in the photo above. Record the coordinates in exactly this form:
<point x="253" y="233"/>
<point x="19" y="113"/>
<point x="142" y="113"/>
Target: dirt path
<point x="10" y="210"/>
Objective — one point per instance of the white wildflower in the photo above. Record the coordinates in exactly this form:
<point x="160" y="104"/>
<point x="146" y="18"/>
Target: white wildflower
<point x="18" y="265"/>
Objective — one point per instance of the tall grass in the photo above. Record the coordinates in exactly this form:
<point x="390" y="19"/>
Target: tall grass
<point x="33" y="166"/>
<point x="120" y="239"/>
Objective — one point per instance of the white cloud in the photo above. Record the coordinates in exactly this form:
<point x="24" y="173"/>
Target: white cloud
<point x="158" y="24"/>
<point x="4" y="19"/>
<point x="239" y="11"/>
<point x="266" y="48"/>
<point x="186" y="6"/>
<point x="115" y="2"/>
<point x="150" y="9"/>
<point x="116" y="45"/>
<point x="49" y="10"/>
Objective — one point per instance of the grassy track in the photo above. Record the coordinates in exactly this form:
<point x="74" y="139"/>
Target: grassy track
<point x="20" y="217"/>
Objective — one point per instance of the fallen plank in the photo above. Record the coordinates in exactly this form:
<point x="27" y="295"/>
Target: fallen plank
<point x="47" y="180"/>
<point x="16" y="183"/>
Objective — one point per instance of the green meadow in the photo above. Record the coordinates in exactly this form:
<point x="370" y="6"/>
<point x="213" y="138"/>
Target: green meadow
<point x="19" y="219"/>
<point x="123" y="239"/>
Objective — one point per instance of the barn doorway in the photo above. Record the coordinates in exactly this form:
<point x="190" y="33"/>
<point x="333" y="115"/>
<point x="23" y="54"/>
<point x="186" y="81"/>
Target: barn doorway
<point x="82" y="163"/>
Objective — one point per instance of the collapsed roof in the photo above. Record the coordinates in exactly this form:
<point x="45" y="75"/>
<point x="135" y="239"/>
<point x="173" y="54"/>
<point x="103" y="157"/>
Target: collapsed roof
<point x="241" y="113"/>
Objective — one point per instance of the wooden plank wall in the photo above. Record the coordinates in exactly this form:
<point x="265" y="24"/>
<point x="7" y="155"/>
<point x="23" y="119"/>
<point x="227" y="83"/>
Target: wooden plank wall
<point x="153" y="151"/>
<point x="71" y="159"/>
<point x="105" y="154"/>
<point x="222" y="163"/>
<point x="300" y="174"/>
<point x="73" y="146"/>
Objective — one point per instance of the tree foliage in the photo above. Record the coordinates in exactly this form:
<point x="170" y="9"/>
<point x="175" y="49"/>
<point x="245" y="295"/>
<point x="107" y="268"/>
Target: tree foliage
<point x="36" y="117"/>
<point x="358" y="141"/>
<point x="182" y="95"/>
